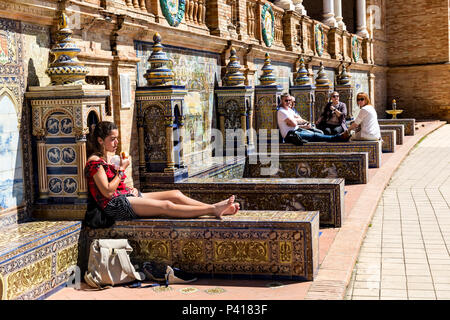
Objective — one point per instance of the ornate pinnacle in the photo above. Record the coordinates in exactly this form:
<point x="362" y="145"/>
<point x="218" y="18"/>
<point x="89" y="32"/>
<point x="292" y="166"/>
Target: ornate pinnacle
<point x="343" y="78"/>
<point x="65" y="68"/>
<point x="301" y="77"/>
<point x="233" y="77"/>
<point x="267" y="78"/>
<point x="158" y="74"/>
<point x="322" y="79"/>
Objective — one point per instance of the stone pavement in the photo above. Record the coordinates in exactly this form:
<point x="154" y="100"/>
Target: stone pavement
<point x="405" y="254"/>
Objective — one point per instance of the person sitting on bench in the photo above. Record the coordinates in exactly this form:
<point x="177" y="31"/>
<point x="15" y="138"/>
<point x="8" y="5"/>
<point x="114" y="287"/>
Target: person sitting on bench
<point x="332" y="119"/>
<point x="366" y="123"/>
<point x="298" y="131"/>
<point x="106" y="186"/>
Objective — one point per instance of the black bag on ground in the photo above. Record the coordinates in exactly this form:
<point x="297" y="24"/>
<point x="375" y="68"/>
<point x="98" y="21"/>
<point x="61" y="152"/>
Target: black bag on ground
<point x="294" y="138"/>
<point x="95" y="217"/>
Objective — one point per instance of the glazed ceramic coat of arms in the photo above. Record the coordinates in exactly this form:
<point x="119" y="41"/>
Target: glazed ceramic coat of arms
<point x="319" y="39"/>
<point x="267" y="24"/>
<point x="355" y="48"/>
<point x="173" y="11"/>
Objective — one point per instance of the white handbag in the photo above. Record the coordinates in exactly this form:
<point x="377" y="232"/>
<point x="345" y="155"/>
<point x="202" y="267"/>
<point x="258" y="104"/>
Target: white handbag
<point x="109" y="264"/>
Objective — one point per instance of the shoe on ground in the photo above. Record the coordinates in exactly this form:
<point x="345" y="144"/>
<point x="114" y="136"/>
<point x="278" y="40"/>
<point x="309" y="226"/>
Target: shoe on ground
<point x="175" y="275"/>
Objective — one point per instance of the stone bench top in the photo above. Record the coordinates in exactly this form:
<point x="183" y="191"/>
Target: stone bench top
<point x="313" y="154"/>
<point x="261" y="182"/>
<point x="261" y="218"/>
<point x="19" y="238"/>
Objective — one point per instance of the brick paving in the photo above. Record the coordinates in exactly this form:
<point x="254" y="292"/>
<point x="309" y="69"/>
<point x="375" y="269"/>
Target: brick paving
<point x="405" y="253"/>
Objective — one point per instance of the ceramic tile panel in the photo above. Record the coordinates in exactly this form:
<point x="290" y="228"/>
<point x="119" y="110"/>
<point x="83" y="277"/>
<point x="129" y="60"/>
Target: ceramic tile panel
<point x="389" y="138"/>
<point x="254" y="244"/>
<point x="410" y="124"/>
<point x="199" y="72"/>
<point x="35" y="258"/>
<point x="283" y="72"/>
<point x="399" y="130"/>
<point x="373" y="149"/>
<point x="352" y="166"/>
<point x="360" y="82"/>
<point x="288" y="194"/>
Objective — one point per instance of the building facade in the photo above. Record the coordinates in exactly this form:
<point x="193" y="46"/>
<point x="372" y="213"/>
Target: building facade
<point x="391" y="49"/>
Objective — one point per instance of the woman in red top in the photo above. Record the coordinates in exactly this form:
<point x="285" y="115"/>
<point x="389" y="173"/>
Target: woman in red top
<point x="106" y="185"/>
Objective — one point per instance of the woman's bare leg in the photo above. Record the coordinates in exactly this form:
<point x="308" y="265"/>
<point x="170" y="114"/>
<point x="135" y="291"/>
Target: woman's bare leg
<point x="176" y="196"/>
<point x="144" y="207"/>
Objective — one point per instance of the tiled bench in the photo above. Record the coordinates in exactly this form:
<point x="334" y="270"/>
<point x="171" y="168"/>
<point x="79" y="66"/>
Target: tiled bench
<point x="352" y="166"/>
<point x="410" y="124"/>
<point x="389" y="140"/>
<point x="35" y="258"/>
<point x="290" y="194"/>
<point x="251" y="244"/>
<point x="373" y="149"/>
<point x="399" y="130"/>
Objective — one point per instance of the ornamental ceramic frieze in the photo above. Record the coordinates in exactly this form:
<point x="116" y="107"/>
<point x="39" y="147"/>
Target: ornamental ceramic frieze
<point x="356" y="48"/>
<point x="267" y="24"/>
<point x="251" y="243"/>
<point x="173" y="11"/>
<point x="319" y="39"/>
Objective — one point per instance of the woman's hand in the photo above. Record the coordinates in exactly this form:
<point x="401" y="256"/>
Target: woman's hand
<point x="124" y="163"/>
<point x="134" y="192"/>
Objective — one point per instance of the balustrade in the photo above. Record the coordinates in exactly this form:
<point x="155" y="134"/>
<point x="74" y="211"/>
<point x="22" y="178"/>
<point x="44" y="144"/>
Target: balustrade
<point x="195" y="12"/>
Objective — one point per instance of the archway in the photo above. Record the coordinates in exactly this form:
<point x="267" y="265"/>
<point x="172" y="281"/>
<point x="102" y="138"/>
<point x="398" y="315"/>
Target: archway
<point x="11" y="173"/>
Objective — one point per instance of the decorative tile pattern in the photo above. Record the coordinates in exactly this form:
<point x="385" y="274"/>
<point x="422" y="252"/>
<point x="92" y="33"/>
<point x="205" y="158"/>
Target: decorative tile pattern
<point x="410" y="124"/>
<point x="289" y="194"/>
<point x="198" y="71"/>
<point x="252" y="243"/>
<point x="389" y="138"/>
<point x="399" y="130"/>
<point x="35" y="257"/>
<point x="373" y="149"/>
<point x="352" y="166"/>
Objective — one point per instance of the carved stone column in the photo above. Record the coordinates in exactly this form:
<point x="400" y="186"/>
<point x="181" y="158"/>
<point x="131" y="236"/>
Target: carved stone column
<point x="328" y="13"/>
<point x="338" y="14"/>
<point x="361" y="20"/>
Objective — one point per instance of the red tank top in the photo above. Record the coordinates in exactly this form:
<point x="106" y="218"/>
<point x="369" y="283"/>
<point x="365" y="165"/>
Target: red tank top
<point x="91" y="169"/>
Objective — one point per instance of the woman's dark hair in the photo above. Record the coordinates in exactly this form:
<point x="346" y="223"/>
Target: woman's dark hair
<point x="99" y="130"/>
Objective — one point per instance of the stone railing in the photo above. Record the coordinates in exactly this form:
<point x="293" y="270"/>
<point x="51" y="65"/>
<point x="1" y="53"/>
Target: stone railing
<point x="239" y="20"/>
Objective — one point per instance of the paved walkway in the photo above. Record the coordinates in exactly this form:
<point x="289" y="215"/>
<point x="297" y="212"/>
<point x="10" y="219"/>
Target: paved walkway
<point x="405" y="254"/>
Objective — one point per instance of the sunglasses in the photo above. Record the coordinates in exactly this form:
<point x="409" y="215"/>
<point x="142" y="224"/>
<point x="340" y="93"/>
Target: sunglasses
<point x="335" y="96"/>
<point x="360" y="99"/>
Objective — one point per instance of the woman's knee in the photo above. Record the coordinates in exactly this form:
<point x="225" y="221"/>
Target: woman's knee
<point x="176" y="194"/>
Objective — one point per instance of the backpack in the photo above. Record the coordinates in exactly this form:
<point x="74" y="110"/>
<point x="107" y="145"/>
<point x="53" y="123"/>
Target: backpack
<point x="109" y="264"/>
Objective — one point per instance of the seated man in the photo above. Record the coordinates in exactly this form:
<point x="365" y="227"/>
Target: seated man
<point x="296" y="130"/>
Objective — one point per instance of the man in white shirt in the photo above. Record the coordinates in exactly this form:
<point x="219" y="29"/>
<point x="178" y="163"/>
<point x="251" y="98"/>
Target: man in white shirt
<point x="296" y="130"/>
<point x="366" y="123"/>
